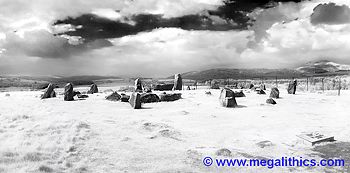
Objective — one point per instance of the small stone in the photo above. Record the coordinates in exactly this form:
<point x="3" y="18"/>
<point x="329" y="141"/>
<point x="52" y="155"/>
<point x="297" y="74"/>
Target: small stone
<point x="114" y="97"/>
<point x="271" y="101"/>
<point x="223" y="152"/>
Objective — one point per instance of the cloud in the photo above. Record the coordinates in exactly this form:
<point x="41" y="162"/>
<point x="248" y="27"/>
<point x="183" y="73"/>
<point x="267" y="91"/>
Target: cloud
<point x="264" y="19"/>
<point x="42" y="43"/>
<point x="148" y="38"/>
<point x="95" y="27"/>
<point x="158" y="53"/>
<point x="331" y="14"/>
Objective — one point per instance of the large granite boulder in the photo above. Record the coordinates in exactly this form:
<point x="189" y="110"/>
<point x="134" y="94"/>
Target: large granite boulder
<point x="149" y="98"/>
<point x="275" y="93"/>
<point x="138" y="85"/>
<point x="68" y="92"/>
<point x="227" y="98"/>
<point x="135" y="100"/>
<point x="164" y="87"/>
<point x="114" y="97"/>
<point x="93" y="89"/>
<point x="292" y="87"/>
<point x="164" y="97"/>
<point x="124" y="98"/>
<point x="271" y="101"/>
<point x="177" y="82"/>
<point x="49" y="92"/>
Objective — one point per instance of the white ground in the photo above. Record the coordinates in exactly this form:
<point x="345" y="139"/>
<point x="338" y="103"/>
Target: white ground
<point x="96" y="135"/>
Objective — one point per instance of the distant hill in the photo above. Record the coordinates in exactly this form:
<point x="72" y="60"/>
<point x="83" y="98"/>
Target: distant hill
<point x="319" y="68"/>
<point x="324" y="67"/>
<point x="40" y="82"/>
<point x="225" y="73"/>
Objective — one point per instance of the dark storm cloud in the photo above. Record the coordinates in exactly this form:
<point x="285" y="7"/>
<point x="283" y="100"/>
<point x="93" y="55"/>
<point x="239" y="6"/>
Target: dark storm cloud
<point x="95" y="27"/>
<point x="331" y="14"/>
<point x="237" y="9"/>
<point x="230" y="16"/>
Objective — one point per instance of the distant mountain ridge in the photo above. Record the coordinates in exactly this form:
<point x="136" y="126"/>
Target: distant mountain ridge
<point x="323" y="66"/>
<point x="318" y="68"/>
<point x="226" y="73"/>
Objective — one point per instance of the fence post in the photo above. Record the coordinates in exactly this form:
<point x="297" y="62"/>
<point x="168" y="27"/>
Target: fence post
<point x="276" y="82"/>
<point x="339" y="88"/>
<point x="323" y="84"/>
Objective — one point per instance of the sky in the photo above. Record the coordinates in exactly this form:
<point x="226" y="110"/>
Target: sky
<point x="155" y="38"/>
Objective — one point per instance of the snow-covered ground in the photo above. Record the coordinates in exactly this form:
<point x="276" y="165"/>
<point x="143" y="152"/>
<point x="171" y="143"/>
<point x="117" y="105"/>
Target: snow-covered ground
<point x="96" y="135"/>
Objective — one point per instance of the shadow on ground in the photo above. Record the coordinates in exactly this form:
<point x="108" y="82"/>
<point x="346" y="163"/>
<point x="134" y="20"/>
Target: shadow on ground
<point x="339" y="150"/>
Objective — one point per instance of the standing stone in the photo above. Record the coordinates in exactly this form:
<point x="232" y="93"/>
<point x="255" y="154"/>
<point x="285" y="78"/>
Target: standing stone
<point x="177" y="82"/>
<point x="262" y="87"/>
<point x="138" y="85"/>
<point x="227" y="98"/>
<point x="49" y="92"/>
<point x="214" y="84"/>
<point x="68" y="92"/>
<point x="275" y="93"/>
<point x="135" y="100"/>
<point x="93" y="89"/>
<point x="292" y="87"/>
